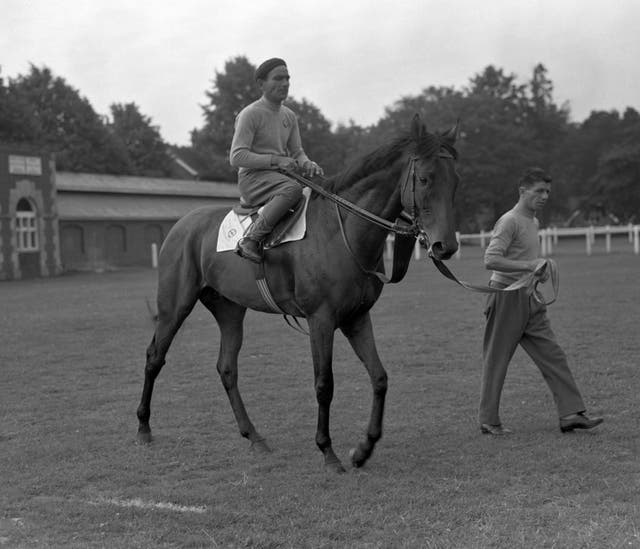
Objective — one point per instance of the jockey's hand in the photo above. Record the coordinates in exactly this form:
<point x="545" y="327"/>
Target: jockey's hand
<point x="285" y="163"/>
<point x="311" y="169"/>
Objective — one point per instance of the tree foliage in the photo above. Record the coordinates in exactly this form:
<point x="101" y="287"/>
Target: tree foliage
<point x="64" y="122"/>
<point x="145" y="146"/>
<point x="43" y="111"/>
<point x="232" y="90"/>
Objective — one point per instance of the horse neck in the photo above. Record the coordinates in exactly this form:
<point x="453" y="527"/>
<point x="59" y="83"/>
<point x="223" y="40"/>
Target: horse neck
<point x="377" y="193"/>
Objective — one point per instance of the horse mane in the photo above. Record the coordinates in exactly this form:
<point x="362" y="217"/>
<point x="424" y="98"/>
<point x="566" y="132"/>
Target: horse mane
<point x="426" y="145"/>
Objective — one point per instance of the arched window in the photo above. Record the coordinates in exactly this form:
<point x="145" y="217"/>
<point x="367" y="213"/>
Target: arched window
<point x="26" y="227"/>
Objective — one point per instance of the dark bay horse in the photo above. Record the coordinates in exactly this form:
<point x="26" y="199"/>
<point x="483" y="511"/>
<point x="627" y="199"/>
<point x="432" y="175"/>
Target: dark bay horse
<point x="326" y="277"/>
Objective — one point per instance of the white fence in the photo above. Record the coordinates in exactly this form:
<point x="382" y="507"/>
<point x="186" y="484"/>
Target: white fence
<point x="548" y="239"/>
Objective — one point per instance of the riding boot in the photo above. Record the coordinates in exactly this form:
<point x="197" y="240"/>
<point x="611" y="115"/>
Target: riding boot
<point x="250" y="246"/>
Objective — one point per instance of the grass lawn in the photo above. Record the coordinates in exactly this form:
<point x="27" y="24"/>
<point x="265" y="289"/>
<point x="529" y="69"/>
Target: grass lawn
<point x="71" y="474"/>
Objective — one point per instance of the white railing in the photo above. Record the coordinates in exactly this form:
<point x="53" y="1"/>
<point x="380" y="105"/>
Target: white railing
<point x="548" y="239"/>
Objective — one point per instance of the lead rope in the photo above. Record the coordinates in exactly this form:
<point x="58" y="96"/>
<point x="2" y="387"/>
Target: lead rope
<point x="529" y="281"/>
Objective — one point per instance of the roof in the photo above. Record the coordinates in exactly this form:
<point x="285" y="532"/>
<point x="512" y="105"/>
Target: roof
<point x="86" y="196"/>
<point x="127" y="184"/>
<point x="87" y="207"/>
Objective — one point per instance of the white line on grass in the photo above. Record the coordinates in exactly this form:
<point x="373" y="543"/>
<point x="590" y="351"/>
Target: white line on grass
<point x="140" y="504"/>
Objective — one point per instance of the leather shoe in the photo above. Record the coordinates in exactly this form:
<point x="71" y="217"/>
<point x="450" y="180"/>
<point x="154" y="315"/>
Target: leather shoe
<point x="495" y="430"/>
<point x="250" y="249"/>
<point x="579" y="421"/>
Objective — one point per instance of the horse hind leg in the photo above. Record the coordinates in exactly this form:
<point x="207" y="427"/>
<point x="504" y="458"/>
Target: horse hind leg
<point x="230" y="318"/>
<point x="360" y="336"/>
<point x="176" y="300"/>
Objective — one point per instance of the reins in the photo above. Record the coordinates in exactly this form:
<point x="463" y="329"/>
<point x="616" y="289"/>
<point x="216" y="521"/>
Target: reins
<point x="355" y="209"/>
<point x="407" y="232"/>
<point x="529" y="281"/>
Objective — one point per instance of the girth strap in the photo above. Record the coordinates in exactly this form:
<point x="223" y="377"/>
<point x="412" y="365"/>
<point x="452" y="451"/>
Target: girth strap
<point x="265" y="292"/>
<point x="263" y="288"/>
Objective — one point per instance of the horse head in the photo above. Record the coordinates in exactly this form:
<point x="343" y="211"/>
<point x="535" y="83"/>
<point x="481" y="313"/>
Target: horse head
<point x="430" y="182"/>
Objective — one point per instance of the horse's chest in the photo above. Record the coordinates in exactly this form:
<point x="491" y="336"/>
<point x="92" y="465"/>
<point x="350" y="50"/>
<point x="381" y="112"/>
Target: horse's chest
<point x="359" y="298"/>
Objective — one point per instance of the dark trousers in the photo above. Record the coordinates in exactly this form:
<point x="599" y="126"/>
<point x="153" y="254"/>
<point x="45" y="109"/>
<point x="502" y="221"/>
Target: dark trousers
<point x="515" y="318"/>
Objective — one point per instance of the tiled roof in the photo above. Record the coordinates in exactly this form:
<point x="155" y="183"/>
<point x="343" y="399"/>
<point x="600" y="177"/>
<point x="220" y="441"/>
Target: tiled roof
<point x="125" y="184"/>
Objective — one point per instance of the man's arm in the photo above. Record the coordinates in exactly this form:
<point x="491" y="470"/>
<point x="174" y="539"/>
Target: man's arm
<point x="494" y="257"/>
<point x="505" y="265"/>
<point x="241" y="155"/>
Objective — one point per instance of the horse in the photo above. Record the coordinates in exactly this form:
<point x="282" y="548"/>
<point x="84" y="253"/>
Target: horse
<point x="327" y="278"/>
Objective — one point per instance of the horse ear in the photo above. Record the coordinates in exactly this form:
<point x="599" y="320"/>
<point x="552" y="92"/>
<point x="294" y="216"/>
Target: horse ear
<point x="454" y="133"/>
<point x="415" y="125"/>
<point x="418" y="129"/>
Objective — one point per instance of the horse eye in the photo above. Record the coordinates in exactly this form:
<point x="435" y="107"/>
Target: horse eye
<point x="425" y="180"/>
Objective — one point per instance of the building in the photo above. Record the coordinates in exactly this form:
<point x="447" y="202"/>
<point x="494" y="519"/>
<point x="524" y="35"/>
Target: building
<point x="29" y="240"/>
<point x="55" y="222"/>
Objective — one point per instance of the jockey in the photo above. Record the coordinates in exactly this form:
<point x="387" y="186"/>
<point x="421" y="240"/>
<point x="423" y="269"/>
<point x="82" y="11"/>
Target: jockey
<point x="267" y="139"/>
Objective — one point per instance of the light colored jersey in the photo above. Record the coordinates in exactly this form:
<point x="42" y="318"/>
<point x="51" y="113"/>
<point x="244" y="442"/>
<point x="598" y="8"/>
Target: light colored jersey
<point x="515" y="236"/>
<point x="261" y="131"/>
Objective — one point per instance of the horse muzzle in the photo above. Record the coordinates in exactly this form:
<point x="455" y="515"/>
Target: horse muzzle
<point x="441" y="251"/>
<point x="438" y="249"/>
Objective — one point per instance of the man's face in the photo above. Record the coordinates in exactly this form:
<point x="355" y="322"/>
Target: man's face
<point x="275" y="87"/>
<point x="536" y="196"/>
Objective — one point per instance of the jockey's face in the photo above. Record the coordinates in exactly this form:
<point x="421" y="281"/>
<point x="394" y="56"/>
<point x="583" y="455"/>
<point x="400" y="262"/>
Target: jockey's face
<point x="275" y="88"/>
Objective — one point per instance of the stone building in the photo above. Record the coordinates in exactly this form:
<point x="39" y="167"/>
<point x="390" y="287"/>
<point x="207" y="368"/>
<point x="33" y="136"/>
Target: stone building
<point x="55" y="222"/>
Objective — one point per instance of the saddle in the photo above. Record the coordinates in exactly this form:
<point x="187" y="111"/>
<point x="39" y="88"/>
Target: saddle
<point x="281" y="228"/>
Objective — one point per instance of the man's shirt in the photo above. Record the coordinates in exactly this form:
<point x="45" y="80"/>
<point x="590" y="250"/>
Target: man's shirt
<point x="515" y="236"/>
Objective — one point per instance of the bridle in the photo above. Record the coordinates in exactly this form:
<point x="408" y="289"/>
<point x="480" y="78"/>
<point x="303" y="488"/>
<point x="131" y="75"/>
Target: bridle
<point x="410" y="226"/>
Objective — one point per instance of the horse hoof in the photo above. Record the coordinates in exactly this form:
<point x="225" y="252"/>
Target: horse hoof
<point x="260" y="447"/>
<point x="335" y="467"/>
<point x="356" y="461"/>
<point x="144" y="437"/>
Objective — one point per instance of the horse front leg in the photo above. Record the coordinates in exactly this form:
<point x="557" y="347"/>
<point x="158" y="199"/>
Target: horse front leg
<point x="321" y="335"/>
<point x="230" y="319"/>
<point x="360" y="336"/>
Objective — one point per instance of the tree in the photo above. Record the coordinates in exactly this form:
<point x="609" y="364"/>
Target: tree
<point x="495" y="146"/>
<point x="233" y="89"/>
<point x="615" y="186"/>
<point x="316" y="135"/>
<point x="618" y="181"/>
<point x="65" y="123"/>
<point x="17" y="123"/>
<point x="145" y="146"/>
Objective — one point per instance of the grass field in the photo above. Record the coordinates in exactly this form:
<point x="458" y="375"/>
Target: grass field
<point x="72" y="476"/>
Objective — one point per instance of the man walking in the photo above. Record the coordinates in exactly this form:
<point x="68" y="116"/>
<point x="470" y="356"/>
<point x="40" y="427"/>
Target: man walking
<point x="516" y="318"/>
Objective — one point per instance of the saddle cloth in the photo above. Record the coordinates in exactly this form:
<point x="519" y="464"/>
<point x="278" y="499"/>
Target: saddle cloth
<point x="234" y="226"/>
